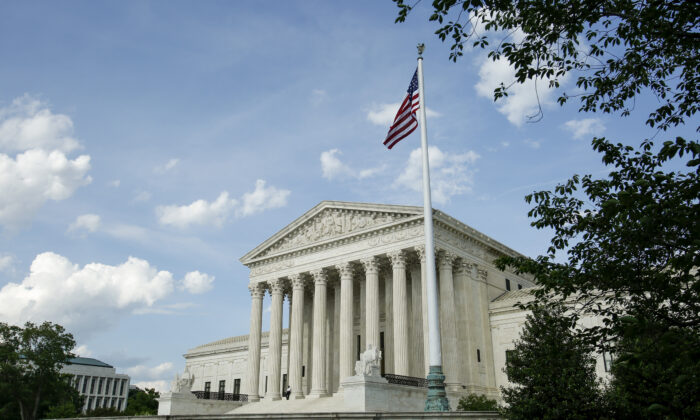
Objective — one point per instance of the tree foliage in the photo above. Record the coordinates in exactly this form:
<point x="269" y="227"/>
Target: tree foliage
<point x="552" y="371"/>
<point x="617" y="48"/>
<point x="30" y="363"/>
<point x="473" y="402"/>
<point x="142" y="402"/>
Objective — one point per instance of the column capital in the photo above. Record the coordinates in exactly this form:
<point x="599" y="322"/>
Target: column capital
<point x="276" y="286"/>
<point x="257" y="290"/>
<point x="446" y="259"/>
<point x="371" y="265"/>
<point x="297" y="280"/>
<point x="398" y="258"/>
<point x="345" y="270"/>
<point x="420" y="250"/>
<point x="464" y="267"/>
<point x="319" y="277"/>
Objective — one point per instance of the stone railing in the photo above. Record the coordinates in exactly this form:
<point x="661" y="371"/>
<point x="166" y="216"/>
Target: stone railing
<point x="202" y="395"/>
<point x="406" y="380"/>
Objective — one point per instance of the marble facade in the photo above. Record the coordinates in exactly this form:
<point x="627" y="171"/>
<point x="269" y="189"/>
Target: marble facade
<point x="352" y="275"/>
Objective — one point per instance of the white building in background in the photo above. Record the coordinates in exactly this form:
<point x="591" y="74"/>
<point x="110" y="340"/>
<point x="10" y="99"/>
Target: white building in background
<point x="99" y="383"/>
<point x="352" y="275"/>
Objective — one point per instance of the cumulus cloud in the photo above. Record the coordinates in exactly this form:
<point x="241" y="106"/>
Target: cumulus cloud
<point x="85" y="299"/>
<point x="585" y="127"/>
<point x="522" y="99"/>
<point x="34" y="177"/>
<point x="28" y="124"/>
<point x="383" y="114"/>
<point x="82" y="351"/>
<point x="196" y="282"/>
<point x="145" y="372"/>
<point x="161" y="169"/>
<point x="161" y="386"/>
<point x="40" y="170"/>
<point x="202" y="212"/>
<point x="332" y="167"/>
<point x="85" y="223"/>
<point x="450" y="174"/>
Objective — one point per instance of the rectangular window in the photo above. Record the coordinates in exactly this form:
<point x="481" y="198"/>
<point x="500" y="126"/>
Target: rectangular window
<point x="607" y="361"/>
<point x="284" y="382"/>
<point x="98" y="404"/>
<point x="222" y="389"/>
<point x="478" y="355"/>
<point x="92" y="385"/>
<point x="237" y="386"/>
<point x="121" y="387"/>
<point x="99" y="385"/>
<point x="85" y="382"/>
<point x="207" y="386"/>
<point x="114" y="388"/>
<point x="108" y="385"/>
<point x="77" y="382"/>
<point x="507" y="284"/>
<point x="119" y="404"/>
<point x="303" y="371"/>
<point x="266" y="384"/>
<point x="89" y="406"/>
<point x="520" y="286"/>
<point x="359" y="346"/>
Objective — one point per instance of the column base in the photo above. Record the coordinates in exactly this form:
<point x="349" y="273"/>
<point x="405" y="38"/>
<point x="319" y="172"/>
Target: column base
<point x="318" y="394"/>
<point x="437" y="397"/>
<point x="273" y="397"/>
<point x="297" y="397"/>
<point x="253" y="398"/>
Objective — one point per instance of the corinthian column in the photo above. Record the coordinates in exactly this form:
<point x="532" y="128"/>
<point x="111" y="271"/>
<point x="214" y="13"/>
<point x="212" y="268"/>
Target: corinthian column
<point x="318" y="378"/>
<point x="346" y="304"/>
<point x="398" y="264"/>
<point x="447" y="322"/>
<point x="296" y="338"/>
<point x="257" y="290"/>
<point x="424" y="306"/>
<point x="275" y="344"/>
<point x="372" y="301"/>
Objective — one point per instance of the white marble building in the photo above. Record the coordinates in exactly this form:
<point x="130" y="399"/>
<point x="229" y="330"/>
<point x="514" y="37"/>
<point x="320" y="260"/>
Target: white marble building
<point x="99" y="383"/>
<point x="351" y="275"/>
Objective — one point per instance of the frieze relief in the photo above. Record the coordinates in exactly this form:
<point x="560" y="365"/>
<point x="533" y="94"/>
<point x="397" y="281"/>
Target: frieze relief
<point x="464" y="243"/>
<point x="269" y="268"/>
<point x="329" y="224"/>
<point x="397" y="236"/>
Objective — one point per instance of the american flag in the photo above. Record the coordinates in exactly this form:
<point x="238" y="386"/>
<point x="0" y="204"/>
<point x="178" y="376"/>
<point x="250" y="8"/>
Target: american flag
<point x="405" y="121"/>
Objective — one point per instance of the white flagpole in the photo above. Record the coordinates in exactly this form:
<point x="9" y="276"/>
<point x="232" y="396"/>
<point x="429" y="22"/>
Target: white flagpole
<point x="437" y="399"/>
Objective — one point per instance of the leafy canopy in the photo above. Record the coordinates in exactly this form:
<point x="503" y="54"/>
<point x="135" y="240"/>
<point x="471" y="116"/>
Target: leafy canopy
<point x="30" y="362"/>
<point x="552" y="371"/>
<point x="617" y="48"/>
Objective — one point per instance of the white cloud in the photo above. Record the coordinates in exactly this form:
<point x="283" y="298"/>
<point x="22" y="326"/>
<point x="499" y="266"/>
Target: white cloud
<point x="40" y="171"/>
<point x="215" y="213"/>
<point x="85" y="222"/>
<point x="82" y="351"/>
<point x="200" y="212"/>
<point x="262" y="198"/>
<point x="83" y="300"/>
<point x="161" y="169"/>
<point x="450" y="174"/>
<point x="171" y="309"/>
<point x="332" y="167"/>
<point x="584" y="127"/>
<point x="161" y="386"/>
<point x="196" y="282"/>
<point x="28" y="124"/>
<point x="115" y="183"/>
<point x="521" y="101"/>
<point x="6" y="262"/>
<point x="145" y="372"/>
<point x="383" y="114"/>
<point x="34" y="177"/>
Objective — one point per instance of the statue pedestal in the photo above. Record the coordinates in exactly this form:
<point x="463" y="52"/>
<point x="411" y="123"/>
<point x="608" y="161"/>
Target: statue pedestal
<point x="185" y="403"/>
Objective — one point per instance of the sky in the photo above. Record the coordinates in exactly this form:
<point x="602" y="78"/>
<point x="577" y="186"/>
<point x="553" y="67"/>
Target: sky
<point x="145" y="146"/>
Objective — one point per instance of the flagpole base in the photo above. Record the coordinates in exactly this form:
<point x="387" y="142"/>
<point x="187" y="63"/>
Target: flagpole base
<point x="437" y="396"/>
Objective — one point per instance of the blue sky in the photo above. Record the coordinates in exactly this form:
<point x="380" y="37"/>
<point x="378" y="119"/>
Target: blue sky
<point x="146" y="145"/>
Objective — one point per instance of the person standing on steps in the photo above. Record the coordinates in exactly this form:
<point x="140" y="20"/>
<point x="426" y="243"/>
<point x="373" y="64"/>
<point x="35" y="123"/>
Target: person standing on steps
<point x="288" y="392"/>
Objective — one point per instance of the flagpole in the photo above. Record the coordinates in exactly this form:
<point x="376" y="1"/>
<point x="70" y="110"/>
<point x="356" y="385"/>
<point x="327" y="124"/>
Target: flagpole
<point x="437" y="397"/>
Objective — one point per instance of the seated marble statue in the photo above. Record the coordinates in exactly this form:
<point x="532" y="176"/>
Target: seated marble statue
<point x="183" y="384"/>
<point x="369" y="363"/>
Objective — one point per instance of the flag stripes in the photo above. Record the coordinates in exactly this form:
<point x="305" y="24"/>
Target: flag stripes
<point x="405" y="121"/>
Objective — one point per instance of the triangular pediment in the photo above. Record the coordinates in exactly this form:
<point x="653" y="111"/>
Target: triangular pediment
<point x="329" y="221"/>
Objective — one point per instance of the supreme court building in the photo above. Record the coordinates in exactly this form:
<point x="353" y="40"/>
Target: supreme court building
<point x="353" y="275"/>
